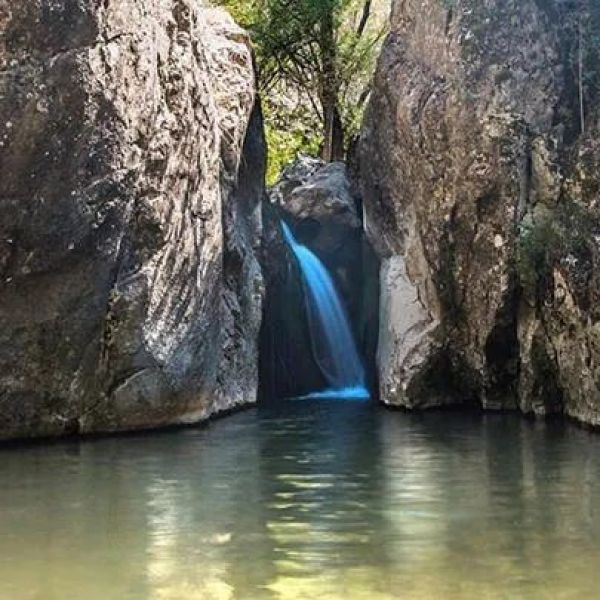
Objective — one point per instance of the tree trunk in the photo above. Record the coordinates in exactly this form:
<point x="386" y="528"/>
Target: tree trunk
<point x="333" y="146"/>
<point x="366" y="14"/>
<point x="333" y="130"/>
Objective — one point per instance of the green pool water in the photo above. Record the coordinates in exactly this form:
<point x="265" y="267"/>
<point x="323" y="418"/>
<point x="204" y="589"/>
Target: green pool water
<point x="307" y="500"/>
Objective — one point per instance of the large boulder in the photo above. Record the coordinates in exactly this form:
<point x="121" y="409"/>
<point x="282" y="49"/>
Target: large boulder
<point x="319" y="201"/>
<point x="130" y="293"/>
<point x="481" y="198"/>
<point x="310" y="189"/>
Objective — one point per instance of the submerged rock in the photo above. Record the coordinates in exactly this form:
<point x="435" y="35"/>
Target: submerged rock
<point x="481" y="197"/>
<point x="130" y="292"/>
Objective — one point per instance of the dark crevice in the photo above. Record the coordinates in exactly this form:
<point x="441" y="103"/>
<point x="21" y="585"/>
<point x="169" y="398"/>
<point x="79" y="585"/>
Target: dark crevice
<point x="289" y="357"/>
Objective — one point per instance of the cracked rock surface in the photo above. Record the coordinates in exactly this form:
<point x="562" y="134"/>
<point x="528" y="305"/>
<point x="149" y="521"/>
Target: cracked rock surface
<point x="130" y="292"/>
<point x="481" y="194"/>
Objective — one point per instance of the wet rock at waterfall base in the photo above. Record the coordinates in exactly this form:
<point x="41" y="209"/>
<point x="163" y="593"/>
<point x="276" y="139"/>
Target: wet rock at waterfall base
<point x="320" y="203"/>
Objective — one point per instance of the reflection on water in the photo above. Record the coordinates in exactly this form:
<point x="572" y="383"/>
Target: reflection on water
<point x="317" y="500"/>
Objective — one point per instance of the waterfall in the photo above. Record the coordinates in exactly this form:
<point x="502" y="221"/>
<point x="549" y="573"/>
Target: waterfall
<point x="344" y="370"/>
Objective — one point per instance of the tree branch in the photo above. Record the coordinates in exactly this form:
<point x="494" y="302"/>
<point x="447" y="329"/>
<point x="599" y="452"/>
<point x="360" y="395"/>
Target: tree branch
<point x="364" y="19"/>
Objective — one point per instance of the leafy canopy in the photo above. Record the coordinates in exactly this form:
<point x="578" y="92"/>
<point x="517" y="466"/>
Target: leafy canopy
<point x="314" y="56"/>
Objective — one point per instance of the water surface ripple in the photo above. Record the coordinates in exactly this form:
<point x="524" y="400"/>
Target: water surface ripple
<point x="307" y="500"/>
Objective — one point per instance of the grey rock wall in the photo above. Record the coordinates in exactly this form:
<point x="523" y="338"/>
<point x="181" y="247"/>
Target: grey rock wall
<point x="481" y="197"/>
<point x="130" y="293"/>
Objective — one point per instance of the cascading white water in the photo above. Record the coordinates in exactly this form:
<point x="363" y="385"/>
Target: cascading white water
<point x="345" y="372"/>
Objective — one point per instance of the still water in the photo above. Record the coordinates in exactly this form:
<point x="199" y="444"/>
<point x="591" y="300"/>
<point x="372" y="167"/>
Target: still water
<point x="309" y="500"/>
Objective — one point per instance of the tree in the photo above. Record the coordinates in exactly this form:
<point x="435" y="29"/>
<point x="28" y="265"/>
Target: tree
<point x="319" y="53"/>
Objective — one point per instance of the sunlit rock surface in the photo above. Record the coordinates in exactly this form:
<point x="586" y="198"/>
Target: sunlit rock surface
<point x="130" y="294"/>
<point x="481" y="197"/>
<point x="311" y="190"/>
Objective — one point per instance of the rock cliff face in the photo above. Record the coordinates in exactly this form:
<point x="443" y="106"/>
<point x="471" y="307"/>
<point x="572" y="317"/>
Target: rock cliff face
<point x="479" y="172"/>
<point x="130" y="293"/>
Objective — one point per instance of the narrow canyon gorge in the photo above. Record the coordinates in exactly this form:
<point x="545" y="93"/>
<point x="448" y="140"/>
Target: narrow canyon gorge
<point x="144" y="278"/>
<point x="299" y="299"/>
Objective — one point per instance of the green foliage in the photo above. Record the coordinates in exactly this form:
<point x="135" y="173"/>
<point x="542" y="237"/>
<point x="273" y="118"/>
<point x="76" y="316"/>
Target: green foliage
<point x="244" y="12"/>
<point x="290" y="131"/>
<point x="310" y="53"/>
<point x="538" y="247"/>
<point x="564" y="233"/>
